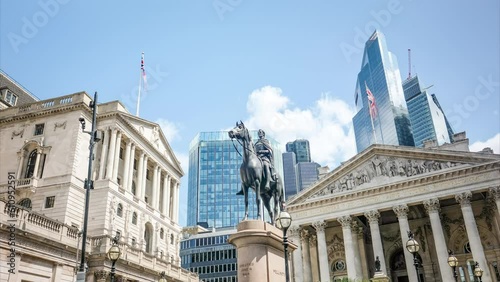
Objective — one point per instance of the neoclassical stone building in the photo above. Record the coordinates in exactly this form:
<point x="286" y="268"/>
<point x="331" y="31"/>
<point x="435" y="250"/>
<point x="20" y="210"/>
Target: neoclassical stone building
<point x="44" y="161"/>
<point x="447" y="196"/>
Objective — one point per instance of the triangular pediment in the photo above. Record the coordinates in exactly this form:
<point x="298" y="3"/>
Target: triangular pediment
<point x="152" y="133"/>
<point x="381" y="165"/>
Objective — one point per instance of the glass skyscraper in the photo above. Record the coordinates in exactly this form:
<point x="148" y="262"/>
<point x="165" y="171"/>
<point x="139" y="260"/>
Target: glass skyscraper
<point x="214" y="180"/>
<point x="380" y="73"/>
<point x="290" y="174"/>
<point x="301" y="149"/>
<point x="427" y="119"/>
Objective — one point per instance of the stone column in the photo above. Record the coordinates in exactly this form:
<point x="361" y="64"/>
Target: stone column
<point x="144" y="178"/>
<point x="104" y="154"/>
<point x="176" y="204"/>
<point x="126" y="163"/>
<point x="346" y="222"/>
<point x="495" y="193"/>
<point x="37" y="164"/>
<point x="324" y="268"/>
<point x="402" y="213"/>
<point x="22" y="155"/>
<point x="130" y="171"/>
<point x="378" y="249"/>
<point x="432" y="207"/>
<point x="117" y="156"/>
<point x="167" y="196"/>
<point x="153" y="186"/>
<point x="112" y="141"/>
<point x="294" y="236"/>
<point x="166" y="179"/>
<point x="139" y="176"/>
<point x="307" y="274"/>
<point x="357" y="254"/>
<point x="473" y="233"/>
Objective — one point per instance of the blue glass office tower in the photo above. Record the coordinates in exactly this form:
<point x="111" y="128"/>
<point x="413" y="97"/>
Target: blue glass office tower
<point x="427" y="119"/>
<point x="214" y="180"/>
<point x="301" y="149"/>
<point x="380" y="73"/>
<point x="290" y="174"/>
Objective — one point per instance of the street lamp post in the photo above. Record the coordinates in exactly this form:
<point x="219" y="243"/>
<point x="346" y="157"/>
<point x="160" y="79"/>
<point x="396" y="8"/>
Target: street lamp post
<point x="114" y="254"/>
<point x="478" y="272"/>
<point x="412" y="246"/>
<point x="283" y="222"/>
<point x="89" y="183"/>
<point x="163" y="277"/>
<point x="453" y="262"/>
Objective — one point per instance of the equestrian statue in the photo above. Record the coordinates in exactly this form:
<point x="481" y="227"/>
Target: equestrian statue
<point x="257" y="172"/>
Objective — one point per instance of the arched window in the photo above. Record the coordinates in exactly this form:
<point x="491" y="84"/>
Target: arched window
<point x="119" y="210"/>
<point x="161" y="233"/>
<point x="30" y="167"/>
<point x="134" y="218"/>
<point x="133" y="188"/>
<point x="26" y="202"/>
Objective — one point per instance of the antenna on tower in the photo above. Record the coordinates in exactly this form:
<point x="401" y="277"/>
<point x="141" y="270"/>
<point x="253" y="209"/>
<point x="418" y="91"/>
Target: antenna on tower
<point x="409" y="63"/>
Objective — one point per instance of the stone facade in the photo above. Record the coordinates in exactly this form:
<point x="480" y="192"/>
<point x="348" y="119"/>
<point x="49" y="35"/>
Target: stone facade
<point x="136" y="177"/>
<point x="365" y="207"/>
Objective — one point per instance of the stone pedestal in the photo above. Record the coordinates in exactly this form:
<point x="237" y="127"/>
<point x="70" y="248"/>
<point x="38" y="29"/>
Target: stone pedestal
<point x="260" y="252"/>
<point x="380" y="277"/>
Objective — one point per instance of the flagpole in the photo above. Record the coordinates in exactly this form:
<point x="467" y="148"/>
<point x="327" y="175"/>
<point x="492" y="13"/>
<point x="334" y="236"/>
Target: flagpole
<point x="139" y="95"/>
<point x="373" y="130"/>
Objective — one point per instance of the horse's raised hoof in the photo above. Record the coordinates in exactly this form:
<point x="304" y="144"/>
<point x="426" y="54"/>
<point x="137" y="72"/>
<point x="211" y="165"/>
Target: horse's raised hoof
<point x="240" y="192"/>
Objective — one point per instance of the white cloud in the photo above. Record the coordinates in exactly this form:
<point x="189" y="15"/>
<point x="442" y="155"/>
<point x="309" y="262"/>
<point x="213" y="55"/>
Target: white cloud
<point x="327" y="125"/>
<point x="169" y="129"/>
<point x="493" y="143"/>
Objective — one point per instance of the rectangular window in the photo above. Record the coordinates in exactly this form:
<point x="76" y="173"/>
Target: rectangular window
<point x="49" y="202"/>
<point x="147" y="174"/>
<point x="39" y="129"/>
<point x="135" y="164"/>
<point x="121" y="153"/>
<point x="10" y="98"/>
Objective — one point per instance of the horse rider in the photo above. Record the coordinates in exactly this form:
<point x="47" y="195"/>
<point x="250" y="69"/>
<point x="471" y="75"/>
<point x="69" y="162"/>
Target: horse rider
<point x="265" y="154"/>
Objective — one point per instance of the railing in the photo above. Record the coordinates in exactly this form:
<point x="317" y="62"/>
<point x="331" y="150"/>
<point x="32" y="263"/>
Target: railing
<point x="23" y="182"/>
<point x="56" y="231"/>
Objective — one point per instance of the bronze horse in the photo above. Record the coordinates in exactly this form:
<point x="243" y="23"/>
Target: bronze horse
<point x="252" y="176"/>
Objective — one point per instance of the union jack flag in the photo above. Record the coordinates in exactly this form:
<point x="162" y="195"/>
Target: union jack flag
<point x="373" y="105"/>
<point x="143" y="70"/>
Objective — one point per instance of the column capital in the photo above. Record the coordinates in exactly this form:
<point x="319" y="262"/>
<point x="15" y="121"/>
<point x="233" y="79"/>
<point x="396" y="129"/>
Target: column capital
<point x="401" y="211"/>
<point x="495" y="192"/>
<point x="319" y="225"/>
<point x="313" y="240"/>
<point x="432" y="205"/>
<point x="346" y="221"/>
<point x="294" y="231"/>
<point x="464" y="198"/>
<point x="304" y="235"/>
<point x="372" y="216"/>
<point x="128" y="143"/>
<point x="101" y="274"/>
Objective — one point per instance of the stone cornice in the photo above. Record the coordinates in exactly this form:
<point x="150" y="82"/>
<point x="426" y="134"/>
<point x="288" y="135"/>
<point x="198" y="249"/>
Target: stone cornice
<point x="121" y="119"/>
<point x="47" y="112"/>
<point x="438" y="182"/>
<point x="391" y="151"/>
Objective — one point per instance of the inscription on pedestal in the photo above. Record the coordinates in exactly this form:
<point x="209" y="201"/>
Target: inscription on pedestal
<point x="245" y="268"/>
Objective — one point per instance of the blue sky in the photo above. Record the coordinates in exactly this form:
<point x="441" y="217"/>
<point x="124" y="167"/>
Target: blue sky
<point x="288" y="67"/>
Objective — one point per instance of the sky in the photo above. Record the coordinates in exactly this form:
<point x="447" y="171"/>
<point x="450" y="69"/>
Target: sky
<point x="288" y="67"/>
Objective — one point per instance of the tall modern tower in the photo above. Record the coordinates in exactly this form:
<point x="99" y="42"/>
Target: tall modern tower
<point x="214" y="180"/>
<point x="301" y="149"/>
<point x="290" y="174"/>
<point x="380" y="75"/>
<point x="427" y="119"/>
